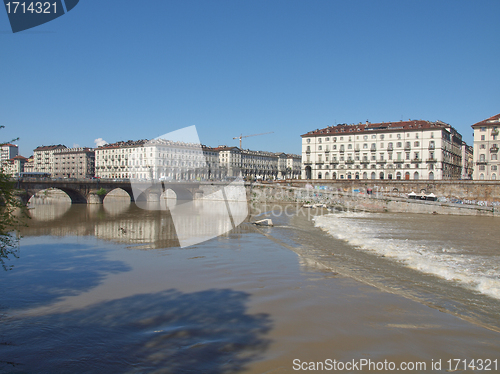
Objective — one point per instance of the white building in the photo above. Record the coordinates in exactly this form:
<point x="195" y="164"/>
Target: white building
<point x="44" y="158"/>
<point x="7" y="152"/>
<point x="112" y="160"/>
<point x="412" y="149"/>
<point x="486" y="141"/>
<point x="15" y="165"/>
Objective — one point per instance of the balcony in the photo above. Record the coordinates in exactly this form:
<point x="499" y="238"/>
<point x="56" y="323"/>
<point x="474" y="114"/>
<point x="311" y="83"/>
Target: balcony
<point x="365" y="162"/>
<point x="432" y="146"/>
<point x="416" y="160"/>
<point x="407" y="147"/>
<point x="399" y="161"/>
<point x="308" y="151"/>
<point x="341" y="150"/>
<point x="349" y="162"/>
<point x="482" y="162"/>
<point x="307" y="162"/>
<point x="431" y="159"/>
<point x="390" y="149"/>
<point x="494" y="149"/>
<point x="381" y="162"/>
<point x="373" y="149"/>
<point x="494" y="132"/>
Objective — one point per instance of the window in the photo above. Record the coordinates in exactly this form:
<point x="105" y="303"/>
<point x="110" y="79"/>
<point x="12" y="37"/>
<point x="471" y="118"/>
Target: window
<point x="374" y="136"/>
<point x="483" y="129"/>
<point x="365" y="146"/>
<point x="334" y="146"/>
<point x="382" y="136"/>
<point x="334" y="139"/>
<point x="327" y="139"/>
<point x="483" y="137"/>
<point x="365" y="137"/>
<point x="417" y="144"/>
<point x="320" y="148"/>
<point x="319" y="140"/>
<point x="399" y="136"/>
<point x="481" y="158"/>
<point x="399" y="144"/>
<point x="493" y="167"/>
<point x="308" y="148"/>
<point x="481" y="167"/>
<point x="407" y="155"/>
<point x="482" y="146"/>
<point x="494" y="156"/>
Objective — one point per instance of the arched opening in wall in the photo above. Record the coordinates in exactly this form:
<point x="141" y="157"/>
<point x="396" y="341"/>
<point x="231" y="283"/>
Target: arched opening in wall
<point x="431" y="175"/>
<point x="349" y="175"/>
<point x="415" y="175"/>
<point x="407" y="175"/>
<point x="308" y="172"/>
<point x="356" y="176"/>
<point x="493" y="177"/>
<point x="334" y="176"/>
<point x="341" y="176"/>
<point x="373" y="175"/>
<point x="319" y="175"/>
<point x="381" y="175"/>
<point x="398" y="175"/>
<point x="168" y="199"/>
<point x="481" y="176"/>
<point x="327" y="175"/>
<point x="389" y="176"/>
<point x="116" y="201"/>
<point x="365" y="175"/>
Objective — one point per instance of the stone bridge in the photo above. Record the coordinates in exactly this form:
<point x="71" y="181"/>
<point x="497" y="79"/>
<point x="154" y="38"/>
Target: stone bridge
<point x="86" y="191"/>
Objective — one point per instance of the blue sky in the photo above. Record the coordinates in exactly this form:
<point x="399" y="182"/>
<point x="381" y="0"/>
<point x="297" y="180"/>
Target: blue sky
<point x="123" y="69"/>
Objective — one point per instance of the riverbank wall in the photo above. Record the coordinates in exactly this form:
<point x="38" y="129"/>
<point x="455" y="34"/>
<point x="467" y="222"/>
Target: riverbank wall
<point x="379" y="197"/>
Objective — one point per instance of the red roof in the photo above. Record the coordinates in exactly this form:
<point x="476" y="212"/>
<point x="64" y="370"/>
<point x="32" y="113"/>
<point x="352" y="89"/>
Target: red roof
<point x="384" y="126"/>
<point x="49" y="147"/>
<point x="489" y="121"/>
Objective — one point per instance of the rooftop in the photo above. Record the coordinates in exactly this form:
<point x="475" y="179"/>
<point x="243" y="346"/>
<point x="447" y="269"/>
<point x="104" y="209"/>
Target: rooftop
<point x="495" y="120"/>
<point x="384" y="126"/>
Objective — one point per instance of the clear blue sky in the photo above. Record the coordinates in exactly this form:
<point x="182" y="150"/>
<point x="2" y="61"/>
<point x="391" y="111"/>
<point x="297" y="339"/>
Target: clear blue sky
<point x="123" y="69"/>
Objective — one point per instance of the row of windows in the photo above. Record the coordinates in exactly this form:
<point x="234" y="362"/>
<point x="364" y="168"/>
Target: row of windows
<point x="373" y="146"/>
<point x="366" y="137"/>
<point x="372" y="175"/>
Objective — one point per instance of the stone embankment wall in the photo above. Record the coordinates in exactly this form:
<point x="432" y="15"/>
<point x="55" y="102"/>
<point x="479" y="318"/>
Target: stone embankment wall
<point x="354" y="197"/>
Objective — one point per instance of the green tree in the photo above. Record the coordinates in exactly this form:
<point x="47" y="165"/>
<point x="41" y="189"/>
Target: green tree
<point x="10" y="217"/>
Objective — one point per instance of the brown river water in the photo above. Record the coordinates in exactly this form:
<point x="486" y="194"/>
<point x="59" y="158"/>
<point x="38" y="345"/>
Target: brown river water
<point x="107" y="289"/>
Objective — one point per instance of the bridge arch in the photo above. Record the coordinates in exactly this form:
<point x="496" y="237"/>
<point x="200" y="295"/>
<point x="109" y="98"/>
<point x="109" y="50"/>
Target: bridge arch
<point x="75" y="196"/>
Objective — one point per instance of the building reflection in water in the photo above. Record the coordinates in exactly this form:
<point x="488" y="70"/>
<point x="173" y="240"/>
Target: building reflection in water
<point x="123" y="222"/>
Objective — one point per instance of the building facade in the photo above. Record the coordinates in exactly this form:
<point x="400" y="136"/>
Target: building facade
<point x="8" y="152"/>
<point x="112" y="160"/>
<point x="44" y="158"/>
<point x="467" y="161"/>
<point x="14" y="166"/>
<point x="74" y="163"/>
<point x="410" y="150"/>
<point x="486" y="141"/>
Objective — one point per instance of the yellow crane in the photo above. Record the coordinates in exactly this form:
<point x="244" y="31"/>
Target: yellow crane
<point x="247" y="136"/>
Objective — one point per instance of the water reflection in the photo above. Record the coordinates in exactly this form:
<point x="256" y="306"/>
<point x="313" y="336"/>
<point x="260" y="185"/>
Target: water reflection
<point x="202" y="332"/>
<point x="123" y="222"/>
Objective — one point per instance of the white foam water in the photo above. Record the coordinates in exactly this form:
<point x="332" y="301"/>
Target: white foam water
<point x="397" y="241"/>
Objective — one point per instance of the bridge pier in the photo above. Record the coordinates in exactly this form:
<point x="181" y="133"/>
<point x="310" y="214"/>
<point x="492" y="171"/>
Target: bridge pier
<point x="95" y="198"/>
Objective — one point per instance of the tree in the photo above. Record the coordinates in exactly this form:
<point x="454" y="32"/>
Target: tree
<point x="9" y="217"/>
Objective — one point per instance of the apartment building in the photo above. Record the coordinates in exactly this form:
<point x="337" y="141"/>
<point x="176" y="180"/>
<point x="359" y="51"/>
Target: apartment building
<point x="14" y="166"/>
<point x="486" y="141"/>
<point x="467" y="161"/>
<point x="410" y="150"/>
<point x="8" y="152"/>
<point x="74" y="163"/>
<point x="112" y="160"/>
<point x="44" y="158"/>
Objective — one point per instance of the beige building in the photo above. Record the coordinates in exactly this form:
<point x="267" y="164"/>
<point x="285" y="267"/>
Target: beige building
<point x="486" y="141"/>
<point x="411" y="150"/>
<point x="44" y="158"/>
<point x="467" y="161"/>
<point x="74" y="163"/>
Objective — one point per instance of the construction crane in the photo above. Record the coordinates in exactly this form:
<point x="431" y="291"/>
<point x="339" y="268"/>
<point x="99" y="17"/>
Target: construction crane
<point x="247" y="136"/>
